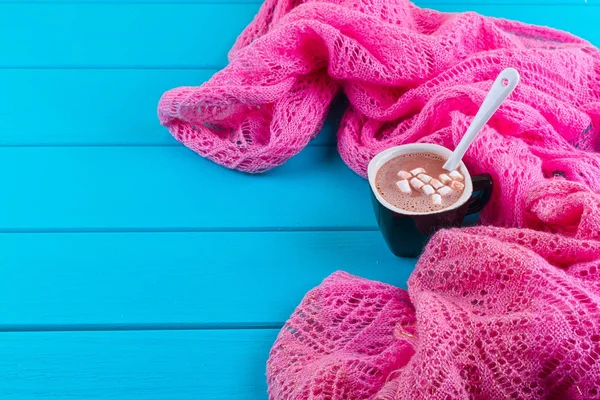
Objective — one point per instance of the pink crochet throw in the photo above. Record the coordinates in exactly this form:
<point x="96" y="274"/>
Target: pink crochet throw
<point x="510" y="309"/>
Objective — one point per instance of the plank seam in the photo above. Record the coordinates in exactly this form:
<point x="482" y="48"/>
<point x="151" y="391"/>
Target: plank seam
<point x="140" y="327"/>
<point x="96" y="230"/>
<point x="87" y="145"/>
<point x="111" y="67"/>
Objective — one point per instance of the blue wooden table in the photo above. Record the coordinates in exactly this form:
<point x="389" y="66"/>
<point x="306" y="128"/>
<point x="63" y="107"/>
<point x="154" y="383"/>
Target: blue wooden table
<point x="130" y="267"/>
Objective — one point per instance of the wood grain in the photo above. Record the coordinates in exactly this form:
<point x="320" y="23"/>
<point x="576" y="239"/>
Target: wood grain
<point x="172" y="188"/>
<point x="96" y="35"/>
<point x="123" y="253"/>
<point x="138" y="365"/>
<point x="206" y="278"/>
<point x="98" y="107"/>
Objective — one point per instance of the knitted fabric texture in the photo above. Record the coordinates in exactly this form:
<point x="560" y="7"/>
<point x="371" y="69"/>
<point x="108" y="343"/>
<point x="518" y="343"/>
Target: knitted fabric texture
<point x="410" y="75"/>
<point x="491" y="313"/>
<point x="505" y="311"/>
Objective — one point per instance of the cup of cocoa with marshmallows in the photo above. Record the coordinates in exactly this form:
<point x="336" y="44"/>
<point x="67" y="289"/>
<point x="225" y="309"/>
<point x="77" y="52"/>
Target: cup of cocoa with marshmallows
<point x="413" y="196"/>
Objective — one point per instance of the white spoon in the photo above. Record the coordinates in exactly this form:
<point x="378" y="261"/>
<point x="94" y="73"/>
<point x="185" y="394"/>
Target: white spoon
<point x="503" y="86"/>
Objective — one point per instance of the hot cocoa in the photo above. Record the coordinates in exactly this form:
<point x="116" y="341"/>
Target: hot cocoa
<point x="418" y="182"/>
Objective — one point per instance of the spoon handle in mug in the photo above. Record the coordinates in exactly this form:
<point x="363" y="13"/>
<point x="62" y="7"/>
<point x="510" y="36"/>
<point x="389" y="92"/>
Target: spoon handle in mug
<point x="502" y="87"/>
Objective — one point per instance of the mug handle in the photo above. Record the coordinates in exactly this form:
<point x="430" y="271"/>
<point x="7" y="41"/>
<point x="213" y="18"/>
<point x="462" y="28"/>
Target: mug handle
<point x="482" y="184"/>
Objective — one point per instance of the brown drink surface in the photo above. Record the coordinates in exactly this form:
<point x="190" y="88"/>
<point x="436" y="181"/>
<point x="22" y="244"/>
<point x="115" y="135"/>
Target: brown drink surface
<point x="416" y="201"/>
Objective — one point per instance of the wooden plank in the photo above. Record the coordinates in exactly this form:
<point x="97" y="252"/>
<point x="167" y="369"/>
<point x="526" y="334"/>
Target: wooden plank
<point x="96" y="106"/>
<point x="120" y="35"/>
<point x="172" y="188"/>
<point x="209" y="278"/>
<point x="136" y="365"/>
<point x="174" y="35"/>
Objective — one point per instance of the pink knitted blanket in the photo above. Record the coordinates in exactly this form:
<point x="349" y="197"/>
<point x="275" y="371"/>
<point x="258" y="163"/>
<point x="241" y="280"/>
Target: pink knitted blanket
<point x="506" y="311"/>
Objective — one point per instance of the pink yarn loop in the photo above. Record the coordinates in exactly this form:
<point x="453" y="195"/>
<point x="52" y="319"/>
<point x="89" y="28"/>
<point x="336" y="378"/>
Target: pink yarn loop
<point x="491" y="312"/>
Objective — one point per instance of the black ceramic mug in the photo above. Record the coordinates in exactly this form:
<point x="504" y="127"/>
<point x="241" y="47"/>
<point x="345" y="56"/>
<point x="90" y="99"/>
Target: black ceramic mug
<point x="406" y="232"/>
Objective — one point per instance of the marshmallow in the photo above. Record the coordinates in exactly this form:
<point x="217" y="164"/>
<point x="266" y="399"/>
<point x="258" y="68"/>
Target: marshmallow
<point x="404" y="186"/>
<point x="436" y="184"/>
<point x="417" y="171"/>
<point x="436" y="199"/>
<point x="428" y="189"/>
<point x="417" y="184"/>
<point x="424" y="178"/>
<point x="444" y="191"/>
<point x="404" y="175"/>
<point x="445" y="178"/>
<point x="456" y="185"/>
<point x="456" y="175"/>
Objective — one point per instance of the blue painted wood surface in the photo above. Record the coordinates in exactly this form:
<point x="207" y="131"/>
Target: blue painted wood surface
<point x="132" y="268"/>
<point x="135" y="365"/>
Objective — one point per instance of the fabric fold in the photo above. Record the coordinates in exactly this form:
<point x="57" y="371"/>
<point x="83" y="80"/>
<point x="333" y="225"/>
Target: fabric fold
<point x="490" y="313"/>
<point x="506" y="310"/>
